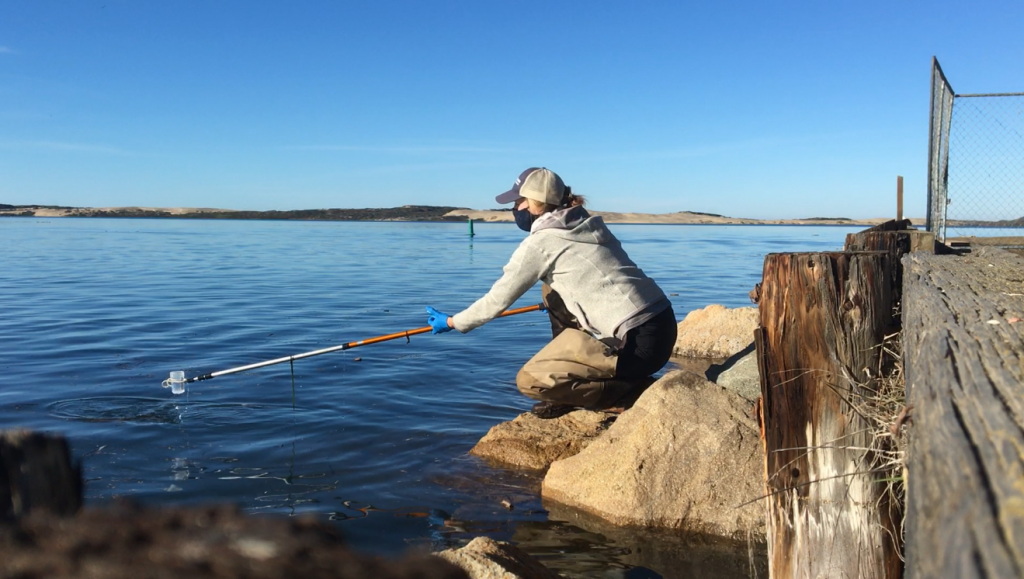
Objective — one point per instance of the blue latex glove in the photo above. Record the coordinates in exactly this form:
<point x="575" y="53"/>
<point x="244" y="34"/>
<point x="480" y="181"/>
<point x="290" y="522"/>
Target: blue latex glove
<point x="438" y="321"/>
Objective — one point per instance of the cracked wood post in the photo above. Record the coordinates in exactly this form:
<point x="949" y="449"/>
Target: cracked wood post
<point x="36" y="474"/>
<point x="823" y="318"/>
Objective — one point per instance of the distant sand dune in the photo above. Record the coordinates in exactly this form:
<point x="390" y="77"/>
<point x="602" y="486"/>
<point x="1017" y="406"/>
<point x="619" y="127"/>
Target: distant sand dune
<point x="681" y="217"/>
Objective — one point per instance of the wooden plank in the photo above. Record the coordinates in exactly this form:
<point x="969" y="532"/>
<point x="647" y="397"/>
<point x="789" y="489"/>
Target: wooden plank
<point x="900" y="242"/>
<point x="823" y="316"/>
<point x="964" y="366"/>
<point x="36" y="474"/>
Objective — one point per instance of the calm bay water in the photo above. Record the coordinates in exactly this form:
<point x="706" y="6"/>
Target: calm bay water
<point x="96" y="312"/>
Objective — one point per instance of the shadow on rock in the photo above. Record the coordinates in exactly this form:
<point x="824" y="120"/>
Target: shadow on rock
<point x="738" y="373"/>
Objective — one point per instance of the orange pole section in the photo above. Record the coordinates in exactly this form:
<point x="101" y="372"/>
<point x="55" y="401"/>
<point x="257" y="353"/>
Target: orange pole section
<point x="341" y="348"/>
<point x="426" y="329"/>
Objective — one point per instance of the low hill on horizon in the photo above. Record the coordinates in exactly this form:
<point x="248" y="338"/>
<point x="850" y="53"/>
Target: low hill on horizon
<point x="404" y="213"/>
<point x="407" y="213"/>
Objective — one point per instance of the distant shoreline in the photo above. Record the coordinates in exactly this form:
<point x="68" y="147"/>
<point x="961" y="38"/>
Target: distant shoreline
<point x="408" y="213"/>
<point x="683" y="218"/>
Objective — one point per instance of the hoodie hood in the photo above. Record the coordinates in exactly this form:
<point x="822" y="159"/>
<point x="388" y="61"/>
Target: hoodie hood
<point x="573" y="223"/>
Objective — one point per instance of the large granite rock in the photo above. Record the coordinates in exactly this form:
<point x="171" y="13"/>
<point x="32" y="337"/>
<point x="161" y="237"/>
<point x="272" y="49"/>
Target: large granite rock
<point x="684" y="457"/>
<point x="715" y="332"/>
<point x="738" y="374"/>
<point x="127" y="542"/>
<point x="485" y="558"/>
<point x="534" y="443"/>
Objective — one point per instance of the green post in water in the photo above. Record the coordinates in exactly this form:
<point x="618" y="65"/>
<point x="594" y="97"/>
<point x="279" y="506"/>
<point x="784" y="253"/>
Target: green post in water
<point x="471" y="234"/>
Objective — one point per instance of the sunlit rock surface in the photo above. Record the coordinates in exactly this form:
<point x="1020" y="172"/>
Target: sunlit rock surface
<point x="715" y="332"/>
<point x="534" y="443"/>
<point x="485" y="558"/>
<point x="686" y="457"/>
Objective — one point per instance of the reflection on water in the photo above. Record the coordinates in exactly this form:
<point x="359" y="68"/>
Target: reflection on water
<point x="577" y="544"/>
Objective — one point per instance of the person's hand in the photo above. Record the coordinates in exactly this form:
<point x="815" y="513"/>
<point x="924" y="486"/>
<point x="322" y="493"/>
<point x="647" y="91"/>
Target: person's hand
<point x="438" y="321"/>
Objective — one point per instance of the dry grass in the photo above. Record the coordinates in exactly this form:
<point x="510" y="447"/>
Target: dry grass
<point x="882" y="402"/>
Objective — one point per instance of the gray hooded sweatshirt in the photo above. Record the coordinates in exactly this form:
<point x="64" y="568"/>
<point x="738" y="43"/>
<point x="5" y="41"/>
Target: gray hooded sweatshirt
<point x="579" y="258"/>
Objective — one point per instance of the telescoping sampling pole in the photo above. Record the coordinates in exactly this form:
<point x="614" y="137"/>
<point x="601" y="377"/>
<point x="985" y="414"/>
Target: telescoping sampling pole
<point x="176" y="382"/>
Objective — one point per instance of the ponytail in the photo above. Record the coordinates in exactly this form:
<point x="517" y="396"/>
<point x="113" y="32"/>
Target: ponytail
<point x="572" y="200"/>
<point x="568" y="200"/>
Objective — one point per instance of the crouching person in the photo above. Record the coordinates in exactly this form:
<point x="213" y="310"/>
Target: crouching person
<point x="612" y="326"/>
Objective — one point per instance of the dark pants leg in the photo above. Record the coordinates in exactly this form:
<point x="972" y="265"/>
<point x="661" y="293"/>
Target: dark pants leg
<point x="648" y="346"/>
<point x="578" y="370"/>
<point x="557" y="312"/>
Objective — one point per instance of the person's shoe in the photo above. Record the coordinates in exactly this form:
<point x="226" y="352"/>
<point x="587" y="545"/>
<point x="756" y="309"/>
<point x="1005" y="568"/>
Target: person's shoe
<point x="548" y="410"/>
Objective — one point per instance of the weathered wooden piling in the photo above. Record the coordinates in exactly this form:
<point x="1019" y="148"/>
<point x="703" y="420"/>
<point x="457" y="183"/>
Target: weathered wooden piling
<point x="964" y="366"/>
<point x="961" y="318"/>
<point x="895" y="237"/>
<point x="824" y="317"/>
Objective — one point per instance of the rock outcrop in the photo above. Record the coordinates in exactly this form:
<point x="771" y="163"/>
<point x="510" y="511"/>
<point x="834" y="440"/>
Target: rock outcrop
<point x="534" y="443"/>
<point x="686" y="456"/>
<point x="126" y="542"/>
<point x="485" y="558"/>
<point x="716" y="332"/>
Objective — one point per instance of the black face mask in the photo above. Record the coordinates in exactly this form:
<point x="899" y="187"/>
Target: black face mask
<point x="524" y="219"/>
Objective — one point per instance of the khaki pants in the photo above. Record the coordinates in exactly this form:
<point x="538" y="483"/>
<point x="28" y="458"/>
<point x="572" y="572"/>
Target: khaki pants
<point x="575" y="369"/>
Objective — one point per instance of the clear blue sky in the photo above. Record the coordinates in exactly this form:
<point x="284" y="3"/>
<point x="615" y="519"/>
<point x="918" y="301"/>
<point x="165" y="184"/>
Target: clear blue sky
<point x="753" y="109"/>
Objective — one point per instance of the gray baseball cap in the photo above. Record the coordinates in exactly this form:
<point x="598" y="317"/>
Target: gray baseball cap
<point x="537" y="183"/>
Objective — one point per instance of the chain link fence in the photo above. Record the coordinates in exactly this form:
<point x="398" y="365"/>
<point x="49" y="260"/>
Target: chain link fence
<point x="976" y="162"/>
